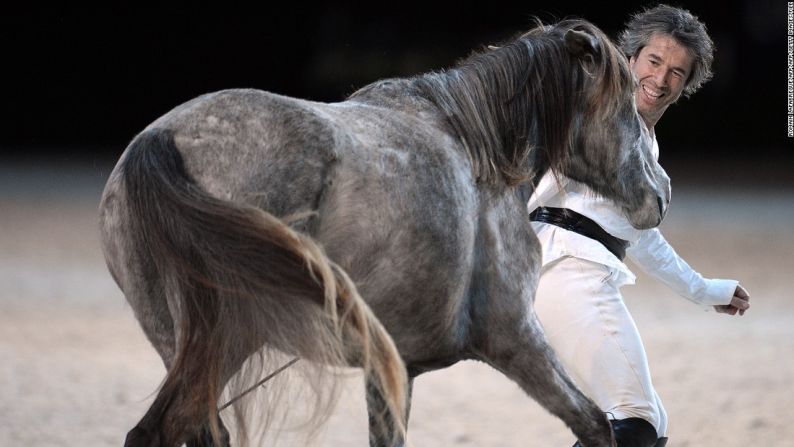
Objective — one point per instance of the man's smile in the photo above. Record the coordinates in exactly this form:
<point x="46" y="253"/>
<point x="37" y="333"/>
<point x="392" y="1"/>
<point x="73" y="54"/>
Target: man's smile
<point x="652" y="93"/>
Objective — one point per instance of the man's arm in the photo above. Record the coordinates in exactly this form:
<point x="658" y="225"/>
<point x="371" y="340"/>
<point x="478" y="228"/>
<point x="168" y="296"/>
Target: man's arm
<point x="654" y="255"/>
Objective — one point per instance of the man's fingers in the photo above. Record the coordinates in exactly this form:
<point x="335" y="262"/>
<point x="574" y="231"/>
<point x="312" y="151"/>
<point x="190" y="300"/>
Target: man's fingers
<point x="741" y="292"/>
<point x="741" y="299"/>
<point x="740" y="303"/>
<point x="726" y="309"/>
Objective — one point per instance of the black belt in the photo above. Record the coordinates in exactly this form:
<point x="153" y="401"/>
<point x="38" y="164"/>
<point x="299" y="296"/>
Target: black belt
<point x="573" y="221"/>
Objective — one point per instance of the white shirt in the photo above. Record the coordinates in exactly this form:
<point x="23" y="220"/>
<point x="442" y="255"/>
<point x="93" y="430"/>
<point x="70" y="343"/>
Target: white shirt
<point x="647" y="248"/>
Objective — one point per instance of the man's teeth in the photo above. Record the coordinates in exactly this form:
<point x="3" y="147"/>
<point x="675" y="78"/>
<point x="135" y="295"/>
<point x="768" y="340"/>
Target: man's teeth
<point x="651" y="93"/>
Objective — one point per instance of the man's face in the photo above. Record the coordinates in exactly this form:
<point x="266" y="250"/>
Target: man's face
<point x="662" y="68"/>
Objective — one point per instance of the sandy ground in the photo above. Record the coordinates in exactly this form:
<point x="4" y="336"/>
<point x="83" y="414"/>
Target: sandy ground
<point x="76" y="370"/>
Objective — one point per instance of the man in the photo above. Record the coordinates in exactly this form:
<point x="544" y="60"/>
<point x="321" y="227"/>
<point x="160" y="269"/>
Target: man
<point x="578" y="299"/>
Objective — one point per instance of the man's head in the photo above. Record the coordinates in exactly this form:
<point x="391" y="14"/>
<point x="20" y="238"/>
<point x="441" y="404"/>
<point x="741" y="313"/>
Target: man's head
<point x="670" y="53"/>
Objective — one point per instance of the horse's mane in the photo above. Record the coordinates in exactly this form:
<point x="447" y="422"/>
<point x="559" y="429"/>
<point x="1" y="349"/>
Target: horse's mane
<point x="512" y="106"/>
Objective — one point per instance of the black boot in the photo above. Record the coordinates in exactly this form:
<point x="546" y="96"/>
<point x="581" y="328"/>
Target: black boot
<point x="634" y="432"/>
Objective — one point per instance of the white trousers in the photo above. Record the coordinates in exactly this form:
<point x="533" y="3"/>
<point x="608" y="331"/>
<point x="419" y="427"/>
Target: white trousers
<point x="587" y="323"/>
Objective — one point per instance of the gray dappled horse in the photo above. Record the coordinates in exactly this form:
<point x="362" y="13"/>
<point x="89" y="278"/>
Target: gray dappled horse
<point x="388" y="231"/>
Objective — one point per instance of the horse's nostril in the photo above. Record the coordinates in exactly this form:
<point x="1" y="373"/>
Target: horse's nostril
<point x="660" y="202"/>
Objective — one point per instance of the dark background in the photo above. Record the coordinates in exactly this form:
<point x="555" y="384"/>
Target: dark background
<point x="80" y="82"/>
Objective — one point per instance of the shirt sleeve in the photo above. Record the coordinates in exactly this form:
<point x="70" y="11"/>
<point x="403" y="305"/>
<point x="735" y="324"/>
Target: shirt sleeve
<point x="656" y="257"/>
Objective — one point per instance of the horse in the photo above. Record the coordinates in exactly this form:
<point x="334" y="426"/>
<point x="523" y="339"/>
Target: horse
<point x="387" y="231"/>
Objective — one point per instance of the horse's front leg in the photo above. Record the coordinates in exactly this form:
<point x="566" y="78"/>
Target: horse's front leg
<point x="525" y="356"/>
<point x="382" y="430"/>
<point x="510" y="337"/>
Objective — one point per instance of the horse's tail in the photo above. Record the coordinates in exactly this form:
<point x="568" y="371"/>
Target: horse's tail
<point x="242" y="278"/>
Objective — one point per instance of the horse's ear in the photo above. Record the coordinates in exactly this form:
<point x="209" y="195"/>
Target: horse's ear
<point x="581" y="44"/>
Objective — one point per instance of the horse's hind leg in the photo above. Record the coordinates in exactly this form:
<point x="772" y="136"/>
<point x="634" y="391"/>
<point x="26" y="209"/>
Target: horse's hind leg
<point x="146" y="295"/>
<point x="382" y="431"/>
<point x="174" y="418"/>
<point x="135" y="273"/>
<point x="519" y="350"/>
<point x="151" y="310"/>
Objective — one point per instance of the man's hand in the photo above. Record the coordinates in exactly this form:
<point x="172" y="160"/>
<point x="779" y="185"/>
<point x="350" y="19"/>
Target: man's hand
<point x="739" y="303"/>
